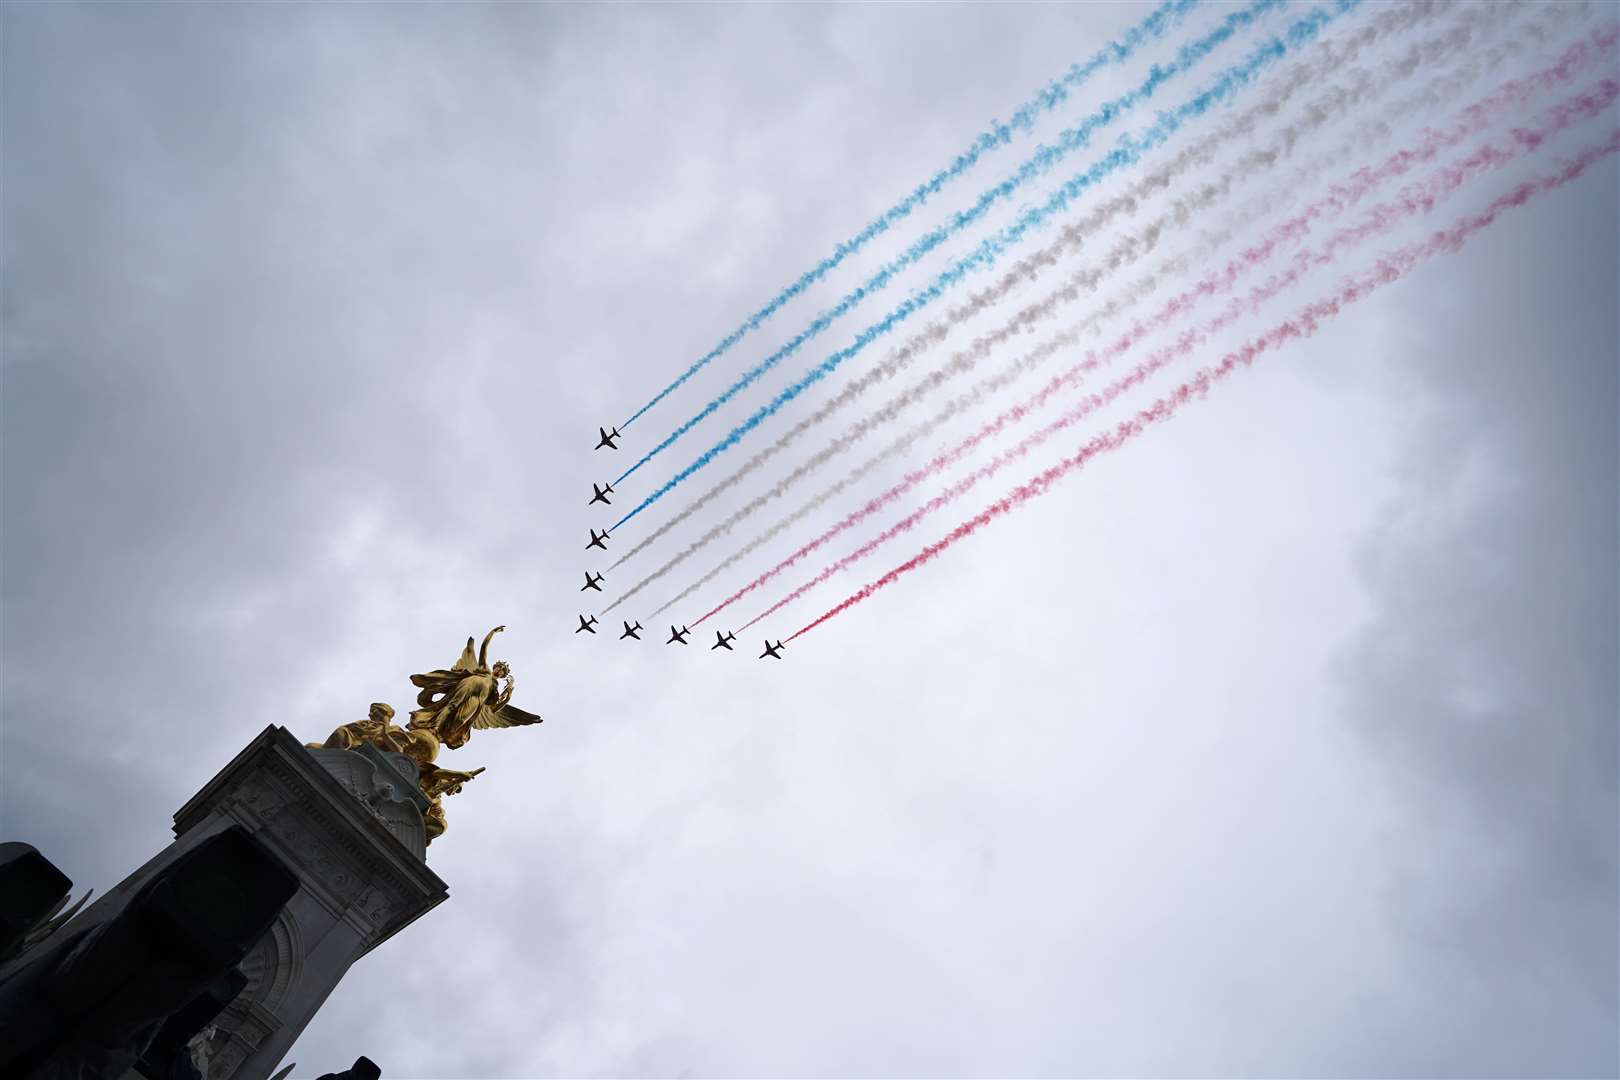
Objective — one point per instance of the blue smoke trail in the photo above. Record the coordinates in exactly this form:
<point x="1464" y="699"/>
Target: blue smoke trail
<point x="1054" y="94"/>
<point x="1130" y="150"/>
<point x="1042" y="160"/>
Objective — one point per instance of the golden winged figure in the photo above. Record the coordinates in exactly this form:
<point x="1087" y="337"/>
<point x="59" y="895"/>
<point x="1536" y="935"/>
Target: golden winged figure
<point x="467" y="696"/>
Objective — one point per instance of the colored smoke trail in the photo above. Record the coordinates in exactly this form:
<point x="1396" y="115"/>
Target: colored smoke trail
<point x="1306" y="322"/>
<point x="1038" y="164"/>
<point x="1471" y="120"/>
<point x="1162" y="18"/>
<point x="1333" y="54"/>
<point x="1364" y="86"/>
<point x="1412" y="200"/>
<point x="1128" y="152"/>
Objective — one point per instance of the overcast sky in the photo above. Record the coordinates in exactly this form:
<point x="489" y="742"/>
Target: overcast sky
<point x="1282" y="742"/>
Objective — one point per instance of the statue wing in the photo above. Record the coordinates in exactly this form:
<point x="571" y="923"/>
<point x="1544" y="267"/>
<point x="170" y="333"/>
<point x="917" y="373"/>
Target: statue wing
<point x="434" y="683"/>
<point x="438" y="679"/>
<point x="505" y="716"/>
<point x="469" y="659"/>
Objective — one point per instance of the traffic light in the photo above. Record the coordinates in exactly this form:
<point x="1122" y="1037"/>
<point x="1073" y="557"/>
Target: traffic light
<point x="92" y="1004"/>
<point x="362" y="1069"/>
<point x="31" y="890"/>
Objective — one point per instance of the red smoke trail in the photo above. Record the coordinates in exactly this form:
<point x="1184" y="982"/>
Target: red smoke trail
<point x="1473" y="119"/>
<point x="1410" y="200"/>
<point x="1303" y="324"/>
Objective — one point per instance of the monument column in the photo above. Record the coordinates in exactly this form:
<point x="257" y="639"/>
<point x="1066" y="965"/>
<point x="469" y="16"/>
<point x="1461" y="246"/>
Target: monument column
<point x="349" y="824"/>
<point x="349" y="818"/>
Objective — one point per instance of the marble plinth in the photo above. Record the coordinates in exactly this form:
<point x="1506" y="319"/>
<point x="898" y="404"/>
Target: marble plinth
<point x="349" y="824"/>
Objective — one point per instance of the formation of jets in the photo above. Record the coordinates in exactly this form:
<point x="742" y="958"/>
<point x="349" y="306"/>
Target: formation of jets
<point x="678" y="636"/>
<point x="587" y="624"/>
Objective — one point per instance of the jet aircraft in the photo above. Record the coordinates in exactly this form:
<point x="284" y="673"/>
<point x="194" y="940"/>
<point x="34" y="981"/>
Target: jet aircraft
<point x="773" y="651"/>
<point x="589" y="625"/>
<point x="597" y="540"/>
<point x="631" y="631"/>
<point x="601" y="495"/>
<point x="607" y="438"/>
<point x="723" y="641"/>
<point x="592" y="581"/>
<point x="677" y="635"/>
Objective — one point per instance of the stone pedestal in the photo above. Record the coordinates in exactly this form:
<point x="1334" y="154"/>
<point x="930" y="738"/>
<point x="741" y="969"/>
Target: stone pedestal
<point x="349" y="824"/>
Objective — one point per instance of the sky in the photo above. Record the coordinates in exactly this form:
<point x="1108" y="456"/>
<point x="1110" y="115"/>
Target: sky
<point x="1281" y="742"/>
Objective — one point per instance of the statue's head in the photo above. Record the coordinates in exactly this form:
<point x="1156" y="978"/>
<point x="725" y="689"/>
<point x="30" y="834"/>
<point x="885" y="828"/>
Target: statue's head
<point x="500" y="669"/>
<point x="381" y="712"/>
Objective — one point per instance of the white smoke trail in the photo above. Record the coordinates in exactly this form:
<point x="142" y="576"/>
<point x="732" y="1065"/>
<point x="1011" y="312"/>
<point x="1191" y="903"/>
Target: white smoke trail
<point x="1027" y="268"/>
<point x="1359" y="89"/>
<point x="1329" y="56"/>
<point x="1416" y="198"/>
<point x="1303" y="323"/>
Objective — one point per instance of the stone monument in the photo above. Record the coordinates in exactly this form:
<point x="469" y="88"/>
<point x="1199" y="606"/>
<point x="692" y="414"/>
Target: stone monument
<point x="352" y="817"/>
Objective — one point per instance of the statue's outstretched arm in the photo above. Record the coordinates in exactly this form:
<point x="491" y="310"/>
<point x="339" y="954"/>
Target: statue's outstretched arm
<point x="483" y="650"/>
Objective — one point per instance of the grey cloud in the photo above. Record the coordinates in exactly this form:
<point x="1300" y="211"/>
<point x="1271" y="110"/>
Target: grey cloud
<point x="308" y="314"/>
<point x="1486" y="676"/>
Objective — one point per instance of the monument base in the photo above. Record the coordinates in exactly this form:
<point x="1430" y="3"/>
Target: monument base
<point x="349" y="824"/>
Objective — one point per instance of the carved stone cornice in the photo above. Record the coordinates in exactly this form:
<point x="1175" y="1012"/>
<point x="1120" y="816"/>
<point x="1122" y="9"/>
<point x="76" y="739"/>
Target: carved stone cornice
<point x="345" y="825"/>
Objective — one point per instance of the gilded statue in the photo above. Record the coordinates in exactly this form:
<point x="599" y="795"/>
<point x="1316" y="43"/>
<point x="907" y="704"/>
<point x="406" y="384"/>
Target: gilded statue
<point x="451" y="704"/>
<point x="438" y="783"/>
<point x="375" y="728"/>
<point x="467" y="696"/>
